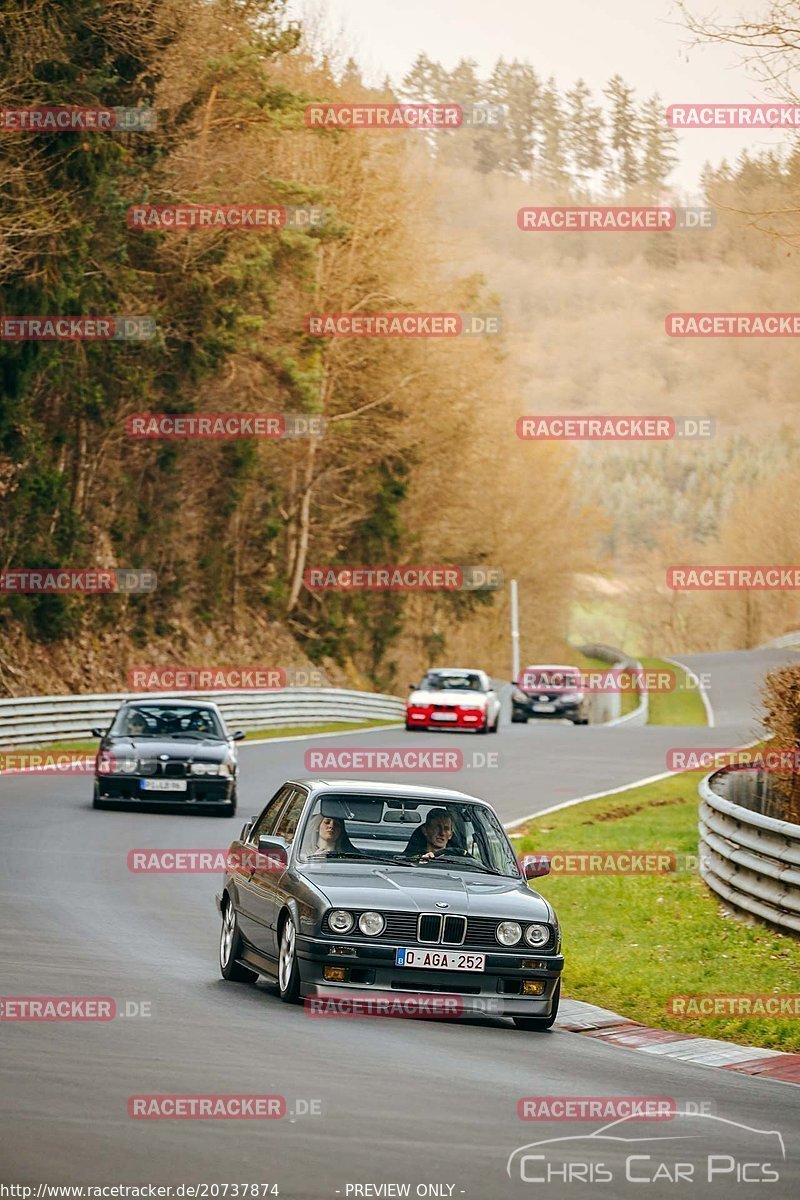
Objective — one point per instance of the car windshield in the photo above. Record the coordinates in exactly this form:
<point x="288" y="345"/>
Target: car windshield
<point x="419" y="833"/>
<point x="466" y="682"/>
<point x="190" y="721"/>
<point x="557" y="679"/>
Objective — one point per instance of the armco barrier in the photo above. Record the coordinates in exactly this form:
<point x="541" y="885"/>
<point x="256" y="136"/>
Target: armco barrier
<point x="750" y="860"/>
<point x="605" y="709"/>
<point x="29" y="720"/>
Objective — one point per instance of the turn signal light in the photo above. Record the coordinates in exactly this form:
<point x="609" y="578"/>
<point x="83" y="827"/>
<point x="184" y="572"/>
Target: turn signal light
<point x="334" y="974"/>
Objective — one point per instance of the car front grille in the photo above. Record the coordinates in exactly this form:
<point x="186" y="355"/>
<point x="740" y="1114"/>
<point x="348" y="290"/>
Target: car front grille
<point x="174" y="770"/>
<point x="433" y="929"/>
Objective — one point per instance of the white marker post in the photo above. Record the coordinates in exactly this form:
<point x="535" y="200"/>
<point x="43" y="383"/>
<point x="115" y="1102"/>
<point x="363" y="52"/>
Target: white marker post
<point x="514" y="631"/>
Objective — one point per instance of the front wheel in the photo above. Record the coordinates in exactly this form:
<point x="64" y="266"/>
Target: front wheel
<point x="288" y="969"/>
<point x="229" y="946"/>
<point x="540" y="1024"/>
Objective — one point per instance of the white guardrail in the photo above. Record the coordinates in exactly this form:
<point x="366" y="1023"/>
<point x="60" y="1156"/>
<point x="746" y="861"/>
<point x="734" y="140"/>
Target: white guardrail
<point x="750" y="860"/>
<point x="606" y="709"/>
<point x="28" y="720"/>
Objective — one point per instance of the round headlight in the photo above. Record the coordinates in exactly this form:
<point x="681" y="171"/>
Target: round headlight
<point x="124" y="766"/>
<point x="509" y="933"/>
<point x="340" y="921"/>
<point x="537" y="935"/>
<point x="371" y="923"/>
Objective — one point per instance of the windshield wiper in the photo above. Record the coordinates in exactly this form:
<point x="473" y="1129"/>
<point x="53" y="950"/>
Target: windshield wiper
<point x="465" y="859"/>
<point x="350" y="855"/>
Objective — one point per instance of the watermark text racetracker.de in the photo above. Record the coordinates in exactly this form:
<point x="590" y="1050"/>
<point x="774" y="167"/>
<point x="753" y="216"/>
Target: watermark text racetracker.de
<point x="67" y="119"/>
<point x="223" y="679"/>
<point x="425" y="117"/>
<point x="603" y="218"/>
<point x="95" y="581"/>
<point x="536" y="427"/>
<point x="71" y="1008"/>
<point x="363" y="758"/>
<point x="240" y="217"/>
<point x="400" y="324"/>
<point x="107" y="328"/>
<point x="409" y="578"/>
<point x="740" y="578"/>
<point x="224" y="425"/>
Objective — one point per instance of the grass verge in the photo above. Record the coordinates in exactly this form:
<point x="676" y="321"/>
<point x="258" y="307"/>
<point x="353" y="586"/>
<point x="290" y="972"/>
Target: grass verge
<point x="632" y="942"/>
<point x="684" y="706"/>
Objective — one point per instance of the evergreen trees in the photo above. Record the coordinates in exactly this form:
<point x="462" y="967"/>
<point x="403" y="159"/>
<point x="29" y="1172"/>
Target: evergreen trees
<point x="570" y="143"/>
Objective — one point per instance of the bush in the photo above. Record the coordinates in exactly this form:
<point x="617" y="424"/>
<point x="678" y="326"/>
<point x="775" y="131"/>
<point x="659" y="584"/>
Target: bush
<point x="781" y="696"/>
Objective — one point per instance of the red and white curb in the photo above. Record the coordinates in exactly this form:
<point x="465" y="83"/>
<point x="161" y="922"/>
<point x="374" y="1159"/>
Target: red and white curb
<point x="577" y="1017"/>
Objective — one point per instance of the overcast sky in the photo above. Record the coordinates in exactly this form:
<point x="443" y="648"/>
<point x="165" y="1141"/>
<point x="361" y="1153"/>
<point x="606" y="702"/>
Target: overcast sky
<point x="642" y="40"/>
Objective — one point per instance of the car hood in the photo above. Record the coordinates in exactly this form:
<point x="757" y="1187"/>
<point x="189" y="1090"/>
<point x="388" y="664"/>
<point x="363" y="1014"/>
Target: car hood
<point x="198" y="751"/>
<point x="419" y="889"/>
<point x="449" y="699"/>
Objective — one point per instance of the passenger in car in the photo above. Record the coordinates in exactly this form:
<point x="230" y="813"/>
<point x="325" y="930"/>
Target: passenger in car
<point x="327" y="835"/>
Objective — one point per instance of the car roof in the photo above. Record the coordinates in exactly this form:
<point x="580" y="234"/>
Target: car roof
<point x="551" y="667"/>
<point x="178" y="701"/>
<point x="403" y="791"/>
<point x="455" y="671"/>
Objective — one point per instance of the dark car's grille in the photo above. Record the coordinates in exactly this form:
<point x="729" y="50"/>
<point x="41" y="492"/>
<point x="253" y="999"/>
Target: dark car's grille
<point x="175" y="770"/>
<point x="413" y="929"/>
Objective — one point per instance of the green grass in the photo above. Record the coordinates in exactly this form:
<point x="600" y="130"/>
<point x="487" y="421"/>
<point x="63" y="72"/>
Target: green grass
<point x="684" y="706"/>
<point x="83" y="747"/>
<point x="631" y="942"/>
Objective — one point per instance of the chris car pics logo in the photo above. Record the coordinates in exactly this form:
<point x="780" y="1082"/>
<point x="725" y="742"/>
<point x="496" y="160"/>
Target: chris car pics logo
<point x="694" y="1148"/>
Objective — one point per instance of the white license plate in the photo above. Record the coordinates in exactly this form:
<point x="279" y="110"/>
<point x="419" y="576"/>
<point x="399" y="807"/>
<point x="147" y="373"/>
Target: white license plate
<point x="444" y="960"/>
<point x="544" y="708"/>
<point x="442" y="716"/>
<point x="163" y="785"/>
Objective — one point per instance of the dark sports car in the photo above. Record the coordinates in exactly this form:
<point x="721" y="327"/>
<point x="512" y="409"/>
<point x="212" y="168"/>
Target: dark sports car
<point x="172" y="754"/>
<point x="373" y="889"/>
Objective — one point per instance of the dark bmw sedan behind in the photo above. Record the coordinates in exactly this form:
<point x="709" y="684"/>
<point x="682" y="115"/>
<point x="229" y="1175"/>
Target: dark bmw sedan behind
<point x="174" y="754"/>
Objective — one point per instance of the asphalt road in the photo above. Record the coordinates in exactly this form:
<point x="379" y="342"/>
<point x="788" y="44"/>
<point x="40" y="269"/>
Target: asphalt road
<point x="417" y="1102"/>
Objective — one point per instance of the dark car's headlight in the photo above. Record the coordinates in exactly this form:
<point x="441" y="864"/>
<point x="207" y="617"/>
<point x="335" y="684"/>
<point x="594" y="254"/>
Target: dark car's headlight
<point x="508" y="933"/>
<point x="371" y="923"/>
<point x="537" y="935"/>
<point x="340" y="921"/>
<point x="519" y="696"/>
<point x="147" y="766"/>
<point x="207" y="768"/>
<point x="117" y="764"/>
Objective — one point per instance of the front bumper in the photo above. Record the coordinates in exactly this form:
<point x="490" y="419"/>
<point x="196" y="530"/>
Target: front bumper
<point x="202" y="791"/>
<point x="562" y="710"/>
<point x="425" y="717"/>
<point x="371" y="970"/>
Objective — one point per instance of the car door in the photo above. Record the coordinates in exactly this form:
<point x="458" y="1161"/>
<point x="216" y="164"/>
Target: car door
<point x="249" y="903"/>
<point x="265" y="886"/>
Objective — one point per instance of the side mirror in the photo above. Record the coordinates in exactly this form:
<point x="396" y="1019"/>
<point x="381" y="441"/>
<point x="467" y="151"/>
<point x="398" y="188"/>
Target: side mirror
<point x="239" y="736"/>
<point x="275" y="850"/>
<point x="535" y="865"/>
<point x="98" y="731"/>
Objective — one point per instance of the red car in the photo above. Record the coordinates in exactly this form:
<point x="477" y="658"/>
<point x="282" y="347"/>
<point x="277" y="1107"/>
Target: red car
<point x="454" y="698"/>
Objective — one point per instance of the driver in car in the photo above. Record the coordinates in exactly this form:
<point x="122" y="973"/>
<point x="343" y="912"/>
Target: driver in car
<point x="434" y="837"/>
<point x="136" y="726"/>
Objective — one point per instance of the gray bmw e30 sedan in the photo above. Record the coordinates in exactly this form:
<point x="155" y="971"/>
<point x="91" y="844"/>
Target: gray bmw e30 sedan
<point x="374" y="889"/>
